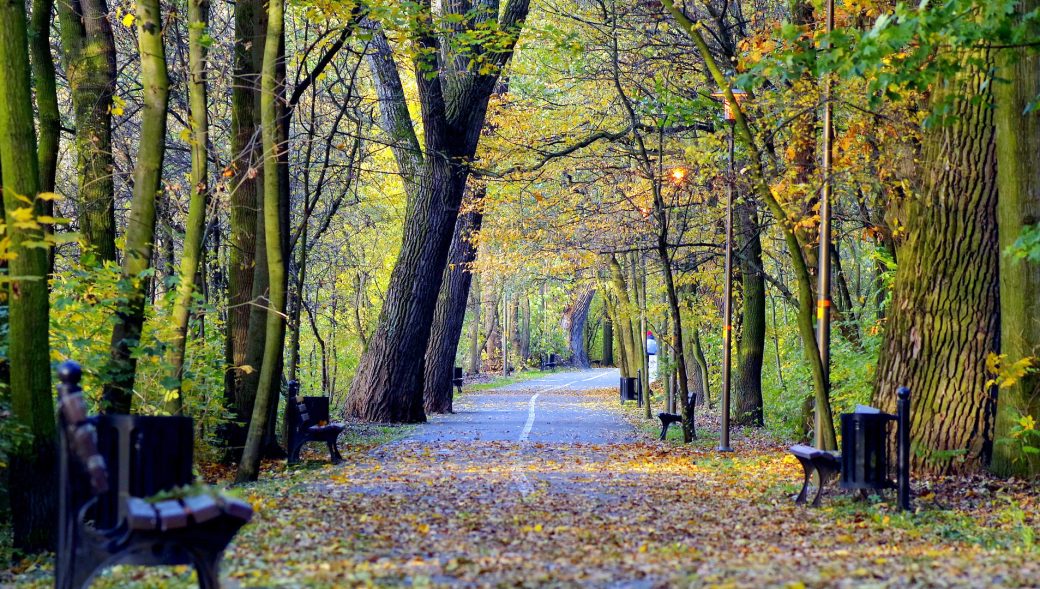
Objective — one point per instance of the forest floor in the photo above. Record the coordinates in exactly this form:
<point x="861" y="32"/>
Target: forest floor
<point x="548" y="483"/>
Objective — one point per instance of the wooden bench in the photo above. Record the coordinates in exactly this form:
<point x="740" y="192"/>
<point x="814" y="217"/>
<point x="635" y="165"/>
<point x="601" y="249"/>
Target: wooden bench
<point x="109" y="466"/>
<point x="309" y="422"/>
<point x="667" y="419"/>
<point x="815" y="461"/>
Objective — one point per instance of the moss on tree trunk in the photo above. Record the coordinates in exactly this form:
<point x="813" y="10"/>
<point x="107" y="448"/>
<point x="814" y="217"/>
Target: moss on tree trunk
<point x="944" y="313"/>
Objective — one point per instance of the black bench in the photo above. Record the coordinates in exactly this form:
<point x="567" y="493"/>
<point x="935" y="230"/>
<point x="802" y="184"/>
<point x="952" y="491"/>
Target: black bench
<point x="309" y="422"/>
<point x="864" y="458"/>
<point x="457" y="378"/>
<point x="110" y="465"/>
<point x="550" y="362"/>
<point x="822" y="463"/>
<point x="667" y="419"/>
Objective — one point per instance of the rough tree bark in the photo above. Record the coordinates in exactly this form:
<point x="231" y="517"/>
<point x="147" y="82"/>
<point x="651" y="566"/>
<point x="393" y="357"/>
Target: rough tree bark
<point x="270" y="369"/>
<point x="574" y="319"/>
<point x="244" y="169"/>
<point x="751" y="342"/>
<point x="450" y="311"/>
<point x="454" y="97"/>
<point x="1018" y="149"/>
<point x="90" y="67"/>
<point x="33" y="492"/>
<point x="140" y="231"/>
<point x="945" y="309"/>
<point x="198" y="23"/>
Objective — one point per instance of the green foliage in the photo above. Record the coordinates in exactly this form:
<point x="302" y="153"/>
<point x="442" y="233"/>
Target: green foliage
<point x="1026" y="245"/>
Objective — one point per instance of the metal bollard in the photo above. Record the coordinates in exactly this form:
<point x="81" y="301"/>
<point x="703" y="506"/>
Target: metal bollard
<point x="903" y="466"/>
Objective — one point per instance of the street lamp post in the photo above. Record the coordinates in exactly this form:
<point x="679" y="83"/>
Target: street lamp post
<point x="727" y="329"/>
<point x="823" y="304"/>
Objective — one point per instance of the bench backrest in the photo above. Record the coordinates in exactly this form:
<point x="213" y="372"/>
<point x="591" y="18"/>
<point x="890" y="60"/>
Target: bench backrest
<point x="317" y="411"/>
<point x="147" y="454"/>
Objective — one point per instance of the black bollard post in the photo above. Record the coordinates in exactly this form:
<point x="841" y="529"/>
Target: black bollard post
<point x="903" y="417"/>
<point x="639" y="388"/>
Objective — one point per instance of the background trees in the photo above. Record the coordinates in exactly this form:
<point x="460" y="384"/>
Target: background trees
<point x="247" y="196"/>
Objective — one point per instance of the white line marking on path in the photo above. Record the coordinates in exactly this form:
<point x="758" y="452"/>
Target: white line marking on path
<point x="523" y="484"/>
<point x="593" y="377"/>
<point x="530" y="420"/>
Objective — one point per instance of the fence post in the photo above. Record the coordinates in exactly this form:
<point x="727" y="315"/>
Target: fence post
<point x="903" y="418"/>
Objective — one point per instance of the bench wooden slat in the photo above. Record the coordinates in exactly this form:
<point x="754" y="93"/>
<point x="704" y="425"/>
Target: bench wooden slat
<point x="237" y="508"/>
<point x="202" y="508"/>
<point x="140" y="515"/>
<point x="172" y="515"/>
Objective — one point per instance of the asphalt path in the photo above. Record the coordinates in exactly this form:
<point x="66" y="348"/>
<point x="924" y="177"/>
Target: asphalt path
<point x="550" y="409"/>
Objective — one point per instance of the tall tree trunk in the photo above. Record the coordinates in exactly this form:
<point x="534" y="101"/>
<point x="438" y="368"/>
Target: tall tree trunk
<point x="608" y="338"/>
<point x="198" y="24"/>
<point x="242" y="259"/>
<point x="825" y="437"/>
<point x="140" y="232"/>
<point x="90" y="67"/>
<point x="945" y="307"/>
<point x="1018" y="164"/>
<point x="33" y="461"/>
<point x="629" y="347"/>
<point x="270" y="368"/>
<point x="450" y="311"/>
<point x="747" y="377"/>
<point x="46" y="95"/>
<point x="474" y="327"/>
<point x="574" y="320"/>
<point x="296" y="308"/>
<point x="388" y="384"/>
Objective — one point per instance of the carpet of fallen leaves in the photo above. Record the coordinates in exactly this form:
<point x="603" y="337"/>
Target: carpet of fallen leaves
<point x="638" y="513"/>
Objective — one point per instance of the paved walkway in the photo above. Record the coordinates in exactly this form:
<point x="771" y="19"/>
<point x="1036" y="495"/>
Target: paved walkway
<point x="550" y="409"/>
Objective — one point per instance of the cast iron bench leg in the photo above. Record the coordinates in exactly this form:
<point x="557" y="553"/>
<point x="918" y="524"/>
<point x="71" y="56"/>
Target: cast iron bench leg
<point x="207" y="568"/>
<point x="808" y="468"/>
<point x="334" y="455"/>
<point x="294" y="450"/>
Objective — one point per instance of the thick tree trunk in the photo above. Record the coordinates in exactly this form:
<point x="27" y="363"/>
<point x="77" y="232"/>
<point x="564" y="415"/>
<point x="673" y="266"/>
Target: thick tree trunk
<point x="265" y="406"/>
<point x="574" y="320"/>
<point x="1018" y="160"/>
<point x="747" y="374"/>
<point x="90" y="66"/>
<point x="450" y="311"/>
<point x="945" y="315"/>
<point x="388" y="384"/>
<point x="244" y="169"/>
<point x="33" y="461"/>
<point x="198" y="23"/>
<point x="140" y="232"/>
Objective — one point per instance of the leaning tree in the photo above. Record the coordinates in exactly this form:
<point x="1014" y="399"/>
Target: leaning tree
<point x="458" y="50"/>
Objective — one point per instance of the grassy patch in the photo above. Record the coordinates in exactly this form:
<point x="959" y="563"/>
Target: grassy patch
<point x="501" y="381"/>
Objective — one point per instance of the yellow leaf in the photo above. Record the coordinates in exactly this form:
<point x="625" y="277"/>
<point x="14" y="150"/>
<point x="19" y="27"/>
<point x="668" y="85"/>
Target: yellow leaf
<point x="128" y="21"/>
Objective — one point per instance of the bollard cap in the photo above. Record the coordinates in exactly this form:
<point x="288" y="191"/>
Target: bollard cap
<point x="69" y="372"/>
<point x="903" y="393"/>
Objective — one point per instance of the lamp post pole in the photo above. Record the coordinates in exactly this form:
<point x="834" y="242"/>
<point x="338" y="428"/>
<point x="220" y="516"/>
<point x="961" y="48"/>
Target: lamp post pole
<point x="823" y="304"/>
<point x="727" y="329"/>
